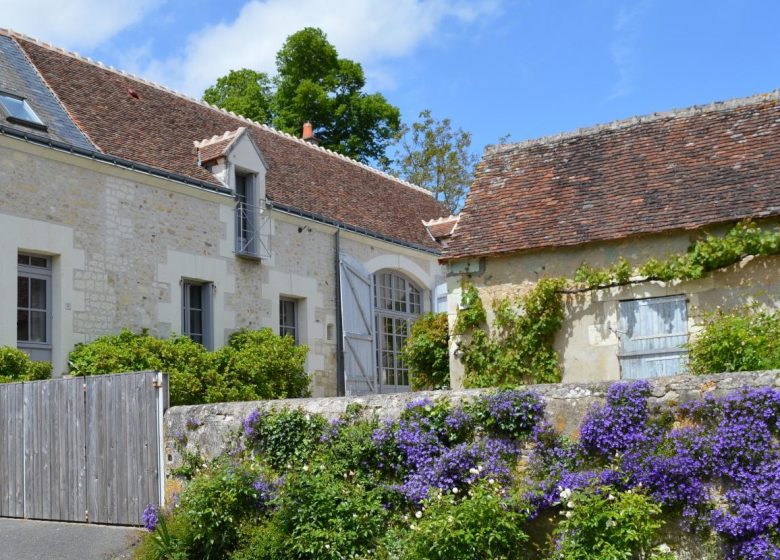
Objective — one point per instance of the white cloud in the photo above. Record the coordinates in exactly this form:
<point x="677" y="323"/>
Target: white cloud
<point x="73" y="24"/>
<point x="624" y="48"/>
<point x="368" y="31"/>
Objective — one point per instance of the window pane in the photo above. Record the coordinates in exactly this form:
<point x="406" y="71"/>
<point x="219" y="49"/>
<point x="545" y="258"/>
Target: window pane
<point x="23" y="291"/>
<point x="37" y="326"/>
<point x="23" y="259"/>
<point x="19" y="108"/>
<point x="195" y="296"/>
<point x="37" y="293"/>
<point x="196" y="322"/>
<point x="41" y="262"/>
<point x="22" y="325"/>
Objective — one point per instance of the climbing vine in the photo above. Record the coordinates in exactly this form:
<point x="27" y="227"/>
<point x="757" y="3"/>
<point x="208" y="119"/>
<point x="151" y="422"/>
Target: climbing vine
<point x="518" y="346"/>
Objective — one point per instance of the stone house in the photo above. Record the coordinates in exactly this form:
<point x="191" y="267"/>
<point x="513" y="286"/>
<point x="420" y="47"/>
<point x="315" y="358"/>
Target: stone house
<point x="125" y="204"/>
<point x="640" y="188"/>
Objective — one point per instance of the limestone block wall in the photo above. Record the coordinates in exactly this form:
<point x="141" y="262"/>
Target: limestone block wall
<point x="587" y="342"/>
<point x="122" y="241"/>
<point x="566" y="405"/>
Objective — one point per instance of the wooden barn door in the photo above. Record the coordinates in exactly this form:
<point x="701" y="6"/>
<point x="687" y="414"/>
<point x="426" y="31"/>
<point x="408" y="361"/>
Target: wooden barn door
<point x="357" y="320"/>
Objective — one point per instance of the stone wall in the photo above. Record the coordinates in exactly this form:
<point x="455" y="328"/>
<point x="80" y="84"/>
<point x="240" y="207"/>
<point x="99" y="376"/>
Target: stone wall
<point x="566" y="405"/>
<point x="588" y="340"/>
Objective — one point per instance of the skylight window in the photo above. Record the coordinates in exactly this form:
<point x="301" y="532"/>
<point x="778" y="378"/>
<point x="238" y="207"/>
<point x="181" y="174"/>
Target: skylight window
<point x="19" y="111"/>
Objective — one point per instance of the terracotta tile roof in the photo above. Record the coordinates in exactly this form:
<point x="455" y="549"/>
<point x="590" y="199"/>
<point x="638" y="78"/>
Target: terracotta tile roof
<point x="679" y="170"/>
<point x="441" y="228"/>
<point x="215" y="147"/>
<point x="134" y="119"/>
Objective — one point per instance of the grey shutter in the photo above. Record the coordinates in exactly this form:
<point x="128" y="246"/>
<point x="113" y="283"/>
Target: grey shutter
<point x="357" y="320"/>
<point x="652" y="334"/>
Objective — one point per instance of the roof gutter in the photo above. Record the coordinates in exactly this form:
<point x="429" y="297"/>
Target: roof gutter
<point x="347" y="227"/>
<point x="112" y="160"/>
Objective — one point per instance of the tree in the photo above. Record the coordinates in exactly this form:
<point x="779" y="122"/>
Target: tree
<point x="313" y="84"/>
<point x="244" y="92"/>
<point x="436" y="157"/>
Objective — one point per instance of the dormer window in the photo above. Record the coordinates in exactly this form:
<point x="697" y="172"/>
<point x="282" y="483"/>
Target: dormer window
<point x="18" y="111"/>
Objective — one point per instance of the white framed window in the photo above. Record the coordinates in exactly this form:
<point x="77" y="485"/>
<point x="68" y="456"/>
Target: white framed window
<point x="397" y="304"/>
<point x="33" y="306"/>
<point x="196" y="312"/>
<point x="653" y="332"/>
<point x="288" y="318"/>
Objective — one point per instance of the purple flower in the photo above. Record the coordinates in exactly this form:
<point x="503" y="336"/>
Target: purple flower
<point x="251" y="422"/>
<point x="151" y="517"/>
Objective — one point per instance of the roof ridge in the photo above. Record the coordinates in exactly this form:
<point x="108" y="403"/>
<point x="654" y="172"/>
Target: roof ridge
<point x="619" y="124"/>
<point x="73" y="54"/>
<point x="440" y="220"/>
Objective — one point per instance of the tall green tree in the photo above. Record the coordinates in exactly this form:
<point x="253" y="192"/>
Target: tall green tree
<point x="313" y="84"/>
<point x="434" y="155"/>
<point x="245" y="92"/>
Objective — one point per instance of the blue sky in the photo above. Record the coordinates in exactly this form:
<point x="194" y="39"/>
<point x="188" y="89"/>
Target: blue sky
<point x="526" y="68"/>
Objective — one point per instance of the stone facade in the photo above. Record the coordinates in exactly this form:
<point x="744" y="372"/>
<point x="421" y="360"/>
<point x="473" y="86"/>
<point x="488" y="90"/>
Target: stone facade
<point x="566" y="405"/>
<point x="121" y="242"/>
<point x="588" y="341"/>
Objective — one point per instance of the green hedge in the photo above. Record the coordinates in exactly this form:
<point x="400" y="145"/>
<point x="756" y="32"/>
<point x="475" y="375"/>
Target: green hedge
<point x="15" y="365"/>
<point x="254" y="365"/>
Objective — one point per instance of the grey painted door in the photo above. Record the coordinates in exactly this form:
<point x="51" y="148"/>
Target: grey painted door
<point x="357" y="320"/>
<point x="652" y="334"/>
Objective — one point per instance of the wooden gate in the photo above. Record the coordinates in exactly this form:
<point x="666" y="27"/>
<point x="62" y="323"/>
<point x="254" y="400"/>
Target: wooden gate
<point x="82" y="449"/>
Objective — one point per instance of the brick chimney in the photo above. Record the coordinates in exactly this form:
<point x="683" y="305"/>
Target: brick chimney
<point x="308" y="131"/>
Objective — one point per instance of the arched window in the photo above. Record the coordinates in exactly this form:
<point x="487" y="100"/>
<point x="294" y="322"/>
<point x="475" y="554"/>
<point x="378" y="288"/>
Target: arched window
<point x="397" y="304"/>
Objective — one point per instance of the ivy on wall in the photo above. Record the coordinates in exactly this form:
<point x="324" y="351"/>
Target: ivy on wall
<point x="518" y="346"/>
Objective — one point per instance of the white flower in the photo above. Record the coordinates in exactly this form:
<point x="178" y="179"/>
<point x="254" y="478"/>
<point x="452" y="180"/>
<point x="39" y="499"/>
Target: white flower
<point x="472" y="470"/>
<point x="565" y="493"/>
<point x="611" y="523"/>
<point x="491" y="481"/>
<point x="568" y="515"/>
<point x="418" y="514"/>
<point x="479" y="468"/>
<point x="664" y="548"/>
<point x="450" y="519"/>
<point x="327" y="547"/>
<point x="610" y="497"/>
<point x="305" y="468"/>
<point x="454" y="490"/>
<point x="570" y="505"/>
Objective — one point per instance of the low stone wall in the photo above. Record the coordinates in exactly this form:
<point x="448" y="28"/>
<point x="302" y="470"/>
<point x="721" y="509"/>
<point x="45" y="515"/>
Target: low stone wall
<point x="210" y="428"/>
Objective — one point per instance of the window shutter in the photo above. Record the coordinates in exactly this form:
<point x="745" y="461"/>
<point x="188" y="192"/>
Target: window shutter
<point x="652" y="334"/>
<point x="357" y="319"/>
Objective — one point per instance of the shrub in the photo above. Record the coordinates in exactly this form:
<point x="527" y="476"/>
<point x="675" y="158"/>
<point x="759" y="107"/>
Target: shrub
<point x="259" y="365"/>
<point x="15" y="365"/>
<point x="254" y="365"/>
<point x="327" y="516"/>
<point x="213" y="507"/>
<point x="479" y="526"/>
<point x="286" y="437"/>
<point x="426" y="352"/>
<point x="603" y="524"/>
<point x="746" y="339"/>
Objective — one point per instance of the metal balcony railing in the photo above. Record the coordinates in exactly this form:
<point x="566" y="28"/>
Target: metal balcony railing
<point x="253" y="231"/>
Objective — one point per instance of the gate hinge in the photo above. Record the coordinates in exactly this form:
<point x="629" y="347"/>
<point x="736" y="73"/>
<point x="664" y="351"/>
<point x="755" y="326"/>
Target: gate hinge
<point x="84" y="388"/>
<point x="86" y="516"/>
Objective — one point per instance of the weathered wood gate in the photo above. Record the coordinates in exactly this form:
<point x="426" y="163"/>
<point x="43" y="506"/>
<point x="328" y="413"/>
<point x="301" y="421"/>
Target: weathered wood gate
<point x="82" y="449"/>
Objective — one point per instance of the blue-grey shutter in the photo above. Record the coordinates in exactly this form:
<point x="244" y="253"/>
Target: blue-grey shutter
<point x="357" y="320"/>
<point x="652" y="334"/>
